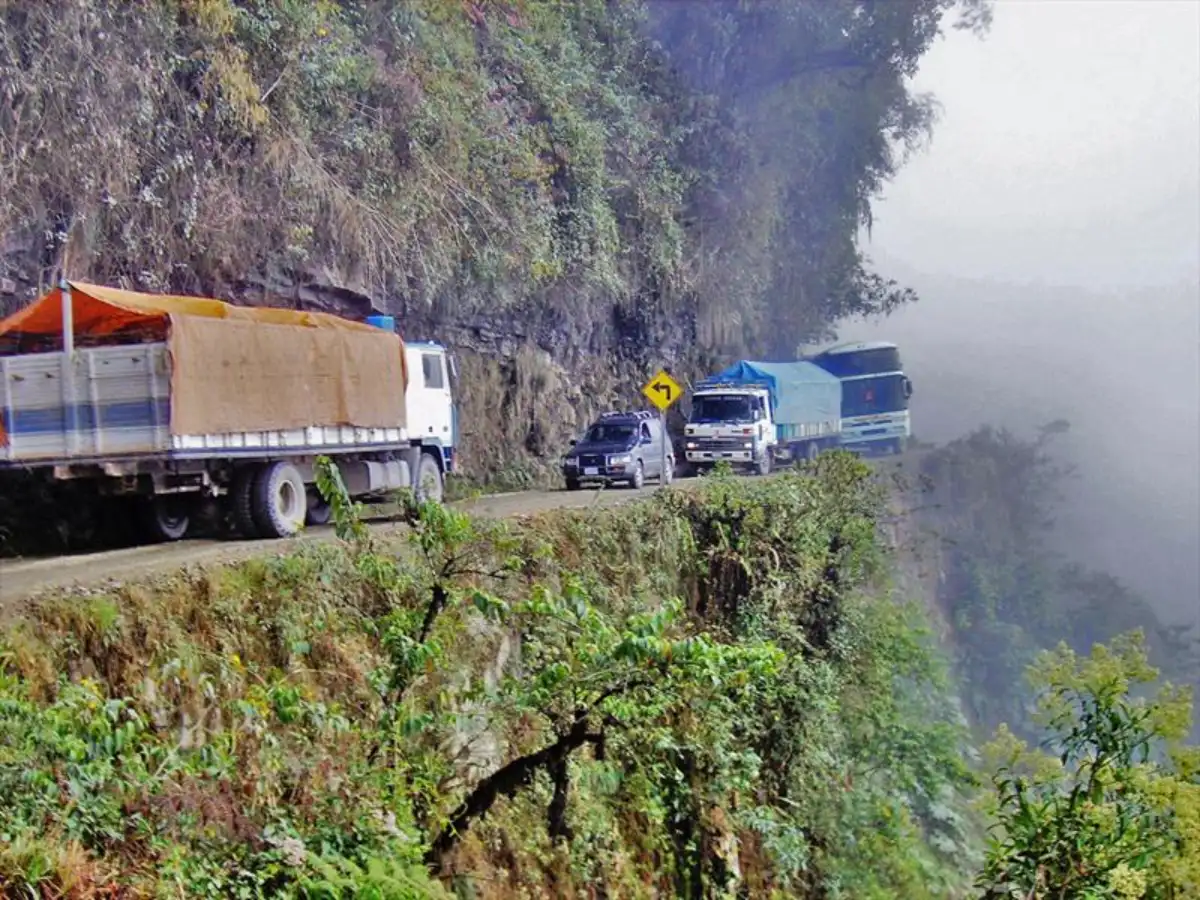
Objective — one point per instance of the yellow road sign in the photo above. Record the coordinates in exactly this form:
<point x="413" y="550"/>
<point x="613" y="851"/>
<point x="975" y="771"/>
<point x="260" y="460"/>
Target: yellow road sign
<point x="662" y="390"/>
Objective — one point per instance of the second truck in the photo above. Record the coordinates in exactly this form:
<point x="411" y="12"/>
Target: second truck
<point x="754" y="415"/>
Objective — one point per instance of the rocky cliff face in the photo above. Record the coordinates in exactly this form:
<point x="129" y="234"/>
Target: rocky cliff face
<point x="569" y="195"/>
<point x="530" y="379"/>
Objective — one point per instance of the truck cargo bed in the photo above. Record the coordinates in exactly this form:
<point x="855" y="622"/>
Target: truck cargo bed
<point x="115" y="403"/>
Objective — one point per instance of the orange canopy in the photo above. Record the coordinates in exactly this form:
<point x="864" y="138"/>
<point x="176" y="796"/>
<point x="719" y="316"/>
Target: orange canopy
<point x="99" y="311"/>
<point x="228" y="377"/>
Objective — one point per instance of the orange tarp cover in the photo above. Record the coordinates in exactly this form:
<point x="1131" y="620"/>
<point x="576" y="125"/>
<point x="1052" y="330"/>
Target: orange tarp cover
<point x="237" y="368"/>
<point x="99" y="310"/>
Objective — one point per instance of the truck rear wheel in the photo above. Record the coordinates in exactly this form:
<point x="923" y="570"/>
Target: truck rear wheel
<point x="166" y="517"/>
<point x="279" y="500"/>
<point x="429" y="479"/>
<point x="319" y="511"/>
<point x="241" y="501"/>
<point x="812" y="451"/>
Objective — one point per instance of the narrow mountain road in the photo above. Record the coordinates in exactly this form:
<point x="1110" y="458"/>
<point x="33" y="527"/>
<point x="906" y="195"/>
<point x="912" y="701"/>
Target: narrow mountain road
<point x="23" y="578"/>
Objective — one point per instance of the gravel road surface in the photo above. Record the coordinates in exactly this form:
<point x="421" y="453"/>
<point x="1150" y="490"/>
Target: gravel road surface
<point x="22" y="578"/>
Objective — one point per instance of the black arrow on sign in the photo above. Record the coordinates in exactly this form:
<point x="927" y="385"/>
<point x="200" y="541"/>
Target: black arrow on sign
<point x="663" y="389"/>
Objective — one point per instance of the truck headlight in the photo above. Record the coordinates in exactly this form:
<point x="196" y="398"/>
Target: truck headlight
<point x="622" y="460"/>
<point x="569" y="462"/>
<point x="691" y="445"/>
<point x="749" y="445"/>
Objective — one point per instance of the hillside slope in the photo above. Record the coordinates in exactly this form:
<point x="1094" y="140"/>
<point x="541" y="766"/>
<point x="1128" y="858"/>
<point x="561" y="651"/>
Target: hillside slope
<point x="707" y="694"/>
<point x="569" y="194"/>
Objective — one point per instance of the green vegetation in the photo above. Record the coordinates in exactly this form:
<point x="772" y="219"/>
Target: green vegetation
<point x="690" y="696"/>
<point x="702" y="694"/>
<point x="1006" y="593"/>
<point x="501" y="151"/>
<point x="1113" y="809"/>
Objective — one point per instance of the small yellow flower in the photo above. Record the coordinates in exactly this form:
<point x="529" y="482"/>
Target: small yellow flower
<point x="1127" y="883"/>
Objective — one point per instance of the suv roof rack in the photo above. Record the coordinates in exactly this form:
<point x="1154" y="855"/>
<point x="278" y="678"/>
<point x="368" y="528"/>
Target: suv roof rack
<point x="630" y="414"/>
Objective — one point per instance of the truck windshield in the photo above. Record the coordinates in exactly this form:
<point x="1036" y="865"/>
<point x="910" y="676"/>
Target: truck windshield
<point x="860" y="362"/>
<point x="710" y="408"/>
<point x="610" y="434"/>
<point x="870" y="396"/>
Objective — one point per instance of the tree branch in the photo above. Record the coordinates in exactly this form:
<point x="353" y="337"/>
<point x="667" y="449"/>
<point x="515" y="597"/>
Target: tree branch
<point x="506" y="782"/>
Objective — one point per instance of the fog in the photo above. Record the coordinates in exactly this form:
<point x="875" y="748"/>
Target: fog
<point x="1053" y="230"/>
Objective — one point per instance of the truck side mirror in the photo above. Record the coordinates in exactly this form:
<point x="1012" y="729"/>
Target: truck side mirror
<point x="907" y="388"/>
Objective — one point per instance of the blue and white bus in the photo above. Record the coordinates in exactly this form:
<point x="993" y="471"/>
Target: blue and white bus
<point x="875" y="393"/>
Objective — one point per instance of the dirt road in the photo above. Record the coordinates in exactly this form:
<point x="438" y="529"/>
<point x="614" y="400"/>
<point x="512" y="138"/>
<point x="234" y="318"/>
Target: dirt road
<point x="23" y="578"/>
<point x="20" y="579"/>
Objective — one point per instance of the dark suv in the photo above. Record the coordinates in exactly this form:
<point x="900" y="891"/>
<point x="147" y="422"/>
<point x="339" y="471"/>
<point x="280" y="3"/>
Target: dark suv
<point x="622" y="447"/>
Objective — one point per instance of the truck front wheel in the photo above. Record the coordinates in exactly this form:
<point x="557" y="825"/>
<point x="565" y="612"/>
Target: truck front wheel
<point x="429" y="479"/>
<point x="280" y="501"/>
<point x="763" y="465"/>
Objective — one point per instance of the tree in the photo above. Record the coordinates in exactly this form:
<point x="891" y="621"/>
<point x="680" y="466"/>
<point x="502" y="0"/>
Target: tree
<point x="587" y="675"/>
<point x="1110" y="808"/>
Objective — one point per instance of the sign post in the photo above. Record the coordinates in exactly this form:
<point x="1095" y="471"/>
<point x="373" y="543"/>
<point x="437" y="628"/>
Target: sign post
<point x="663" y="391"/>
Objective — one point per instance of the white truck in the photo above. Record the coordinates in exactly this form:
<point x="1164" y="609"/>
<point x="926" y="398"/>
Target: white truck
<point x="754" y="415"/>
<point x="178" y="400"/>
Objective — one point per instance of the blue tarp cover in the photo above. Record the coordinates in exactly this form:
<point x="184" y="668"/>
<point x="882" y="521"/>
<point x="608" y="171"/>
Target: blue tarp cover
<point x="801" y="392"/>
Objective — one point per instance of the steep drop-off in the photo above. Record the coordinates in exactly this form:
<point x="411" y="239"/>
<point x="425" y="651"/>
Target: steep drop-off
<point x="700" y="695"/>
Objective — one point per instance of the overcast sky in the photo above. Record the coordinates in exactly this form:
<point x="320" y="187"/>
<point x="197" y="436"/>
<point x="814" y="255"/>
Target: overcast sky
<point x="1068" y="150"/>
<point x="1067" y="156"/>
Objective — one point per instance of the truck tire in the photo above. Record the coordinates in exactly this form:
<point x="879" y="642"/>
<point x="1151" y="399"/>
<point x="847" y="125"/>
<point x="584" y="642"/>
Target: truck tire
<point x="638" y="481"/>
<point x="668" y="474"/>
<point x="279" y="500"/>
<point x="166" y="517"/>
<point x="241" y="501"/>
<point x="762" y="465"/>
<point x="812" y="451"/>
<point x="573" y="484"/>
<point x="319" y="512"/>
<point x="428" y="481"/>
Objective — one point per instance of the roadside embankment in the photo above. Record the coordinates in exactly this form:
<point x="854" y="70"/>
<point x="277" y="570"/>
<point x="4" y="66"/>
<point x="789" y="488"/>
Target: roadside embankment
<point x="699" y="694"/>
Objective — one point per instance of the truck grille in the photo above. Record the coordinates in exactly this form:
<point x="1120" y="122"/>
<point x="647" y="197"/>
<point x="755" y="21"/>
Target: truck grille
<point x="719" y="444"/>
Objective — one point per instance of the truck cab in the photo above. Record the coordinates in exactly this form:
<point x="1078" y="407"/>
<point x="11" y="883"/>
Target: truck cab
<point x="432" y="418"/>
<point x="731" y="422"/>
<point x="875" y="395"/>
